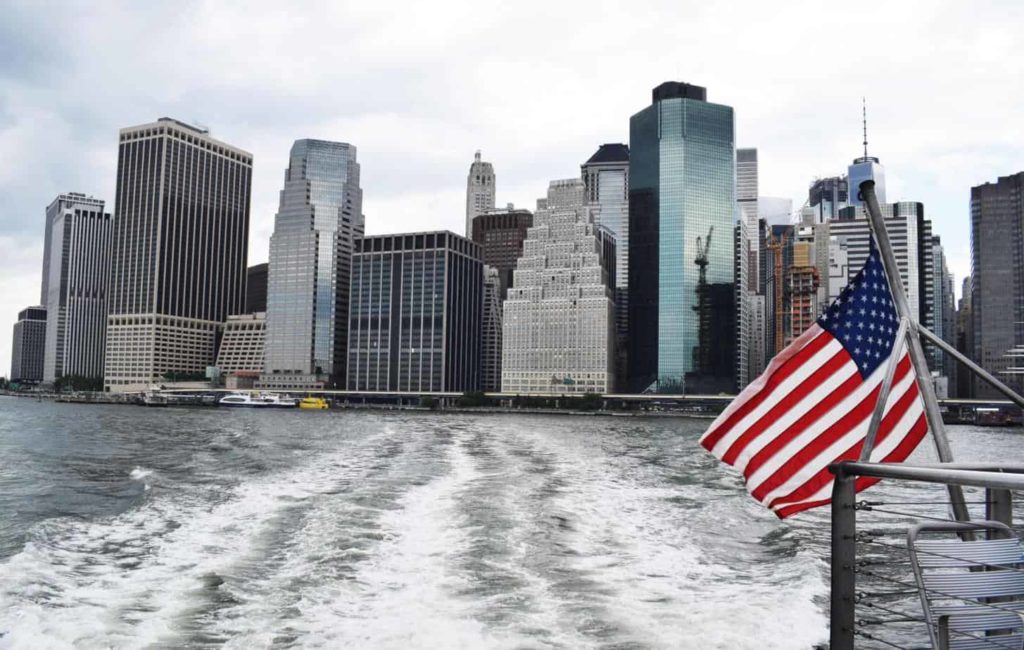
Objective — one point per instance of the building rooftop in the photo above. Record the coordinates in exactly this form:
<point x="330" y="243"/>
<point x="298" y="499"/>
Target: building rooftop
<point x="679" y="90"/>
<point x="185" y="125"/>
<point x="612" y="152"/>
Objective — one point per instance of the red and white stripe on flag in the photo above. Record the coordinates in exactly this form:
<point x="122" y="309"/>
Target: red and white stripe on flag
<point x="812" y="407"/>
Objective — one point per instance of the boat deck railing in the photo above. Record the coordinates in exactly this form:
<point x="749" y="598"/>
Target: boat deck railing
<point x="875" y="601"/>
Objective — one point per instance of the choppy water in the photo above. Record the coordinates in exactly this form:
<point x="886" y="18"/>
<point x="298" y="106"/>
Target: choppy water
<point x="126" y="527"/>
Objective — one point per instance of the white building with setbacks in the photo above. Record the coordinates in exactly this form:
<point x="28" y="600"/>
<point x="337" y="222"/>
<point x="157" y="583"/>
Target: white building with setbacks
<point x="559" y="317"/>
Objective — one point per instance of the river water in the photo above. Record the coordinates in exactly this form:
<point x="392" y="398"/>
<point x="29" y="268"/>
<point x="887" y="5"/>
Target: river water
<point x="123" y="526"/>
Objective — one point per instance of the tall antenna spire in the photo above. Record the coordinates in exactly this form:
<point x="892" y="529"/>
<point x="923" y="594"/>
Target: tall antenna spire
<point x="864" y="109"/>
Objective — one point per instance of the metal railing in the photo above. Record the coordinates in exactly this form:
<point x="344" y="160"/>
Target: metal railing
<point x="874" y="597"/>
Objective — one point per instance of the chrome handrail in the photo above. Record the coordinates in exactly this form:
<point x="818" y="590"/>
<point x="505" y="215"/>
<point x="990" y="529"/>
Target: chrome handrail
<point x="999" y="479"/>
<point x="1009" y="477"/>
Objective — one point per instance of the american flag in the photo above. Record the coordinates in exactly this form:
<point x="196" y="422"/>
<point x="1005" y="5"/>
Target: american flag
<point x="813" y="404"/>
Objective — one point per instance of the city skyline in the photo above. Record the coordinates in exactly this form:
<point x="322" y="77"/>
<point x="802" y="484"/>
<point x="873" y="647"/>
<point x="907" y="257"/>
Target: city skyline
<point x="935" y="145"/>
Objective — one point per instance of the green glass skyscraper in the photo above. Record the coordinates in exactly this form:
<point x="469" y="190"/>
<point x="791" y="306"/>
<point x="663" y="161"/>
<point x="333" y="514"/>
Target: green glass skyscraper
<point x="682" y="210"/>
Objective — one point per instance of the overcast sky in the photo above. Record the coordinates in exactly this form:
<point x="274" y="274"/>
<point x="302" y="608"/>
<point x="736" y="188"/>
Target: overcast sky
<point x="536" y="86"/>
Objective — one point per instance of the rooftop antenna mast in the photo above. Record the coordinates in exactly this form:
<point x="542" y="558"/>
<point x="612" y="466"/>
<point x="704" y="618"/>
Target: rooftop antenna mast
<point x="864" y="111"/>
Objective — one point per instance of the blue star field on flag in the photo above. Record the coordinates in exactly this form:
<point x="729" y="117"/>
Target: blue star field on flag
<point x="863" y="319"/>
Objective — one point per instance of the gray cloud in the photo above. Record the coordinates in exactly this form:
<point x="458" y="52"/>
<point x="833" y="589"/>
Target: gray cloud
<point x="536" y="85"/>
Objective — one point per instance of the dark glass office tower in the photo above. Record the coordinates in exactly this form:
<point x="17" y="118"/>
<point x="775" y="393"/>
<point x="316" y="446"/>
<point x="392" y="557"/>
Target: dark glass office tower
<point x="181" y="234"/>
<point x="997" y="272"/>
<point x="682" y="194"/>
<point x="256" y="288"/>
<point x="27" y="348"/>
<point x="416" y="313"/>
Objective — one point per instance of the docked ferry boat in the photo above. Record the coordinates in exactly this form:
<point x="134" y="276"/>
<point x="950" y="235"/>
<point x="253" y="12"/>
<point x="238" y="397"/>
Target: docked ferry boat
<point x="258" y="400"/>
<point x="314" y="403"/>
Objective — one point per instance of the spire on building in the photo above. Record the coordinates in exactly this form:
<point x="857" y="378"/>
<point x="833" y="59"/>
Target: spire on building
<point x="866" y="167"/>
<point x="479" y="191"/>
<point x="864" y="109"/>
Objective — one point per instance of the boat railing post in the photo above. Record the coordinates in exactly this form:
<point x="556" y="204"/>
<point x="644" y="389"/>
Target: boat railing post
<point x="999" y="507"/>
<point x="844" y="558"/>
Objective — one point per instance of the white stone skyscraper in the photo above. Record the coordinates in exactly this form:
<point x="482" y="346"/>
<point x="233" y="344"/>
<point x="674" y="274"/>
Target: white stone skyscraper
<point x="77" y="254"/>
<point x="479" y="191"/>
<point x="559" y="320"/>
<point x="319" y="218"/>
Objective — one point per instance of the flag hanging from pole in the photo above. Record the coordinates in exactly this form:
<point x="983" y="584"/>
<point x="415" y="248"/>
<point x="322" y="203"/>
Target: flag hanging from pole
<point x="813" y="404"/>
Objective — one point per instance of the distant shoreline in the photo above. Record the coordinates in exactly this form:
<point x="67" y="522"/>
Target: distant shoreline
<point x="117" y="399"/>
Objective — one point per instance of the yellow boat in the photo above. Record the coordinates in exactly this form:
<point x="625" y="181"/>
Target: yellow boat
<point x="313" y="403"/>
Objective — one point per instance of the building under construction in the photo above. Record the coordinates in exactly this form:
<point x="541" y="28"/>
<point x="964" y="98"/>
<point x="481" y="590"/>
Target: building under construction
<point x="802" y="290"/>
<point x="776" y="263"/>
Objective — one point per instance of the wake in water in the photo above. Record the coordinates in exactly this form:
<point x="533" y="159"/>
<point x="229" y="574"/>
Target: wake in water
<point x="421" y="532"/>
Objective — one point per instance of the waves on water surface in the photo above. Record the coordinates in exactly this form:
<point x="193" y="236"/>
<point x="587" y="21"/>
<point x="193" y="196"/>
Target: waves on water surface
<point x="400" y="531"/>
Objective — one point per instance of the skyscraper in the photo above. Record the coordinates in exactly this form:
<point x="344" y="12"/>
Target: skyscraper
<point x="181" y="231"/>
<point x="606" y="177"/>
<point x="417" y="307"/>
<point x="318" y="222"/>
<point x="943" y="317"/>
<point x="747" y="184"/>
<point x="27" y="347"/>
<point x="964" y="340"/>
<point x="479" y="191"/>
<point x="501" y="234"/>
<point x="997" y="273"/>
<point x="803" y="283"/>
<point x="911" y="236"/>
<point x="862" y="169"/>
<point x="558" y="324"/>
<point x="256" y="288"/>
<point x="827" y="196"/>
<point x="777" y="262"/>
<point x="865" y="168"/>
<point x="746" y="199"/>
<point x="744" y="304"/>
<point x="77" y="249"/>
<point x="490" y="339"/>
<point x="682" y="205"/>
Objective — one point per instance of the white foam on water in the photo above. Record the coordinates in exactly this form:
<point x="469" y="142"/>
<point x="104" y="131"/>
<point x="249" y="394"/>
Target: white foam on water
<point x="127" y="581"/>
<point x="353" y="547"/>
<point x="650" y="582"/>
<point x="139" y="473"/>
<point x="400" y="596"/>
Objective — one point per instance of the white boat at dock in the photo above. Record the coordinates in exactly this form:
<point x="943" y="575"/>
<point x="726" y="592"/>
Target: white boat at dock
<point x="258" y="400"/>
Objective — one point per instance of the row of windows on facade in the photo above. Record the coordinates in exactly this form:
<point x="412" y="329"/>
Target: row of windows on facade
<point x="201" y="143"/>
<point x="164" y="321"/>
<point x="446" y="242"/>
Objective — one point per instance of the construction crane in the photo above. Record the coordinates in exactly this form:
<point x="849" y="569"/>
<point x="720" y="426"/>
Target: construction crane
<point x="703" y="306"/>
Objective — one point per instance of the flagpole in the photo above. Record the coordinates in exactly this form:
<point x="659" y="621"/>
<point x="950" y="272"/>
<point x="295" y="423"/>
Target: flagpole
<point x="924" y="383"/>
<point x="973" y="367"/>
<point x="883" y="395"/>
